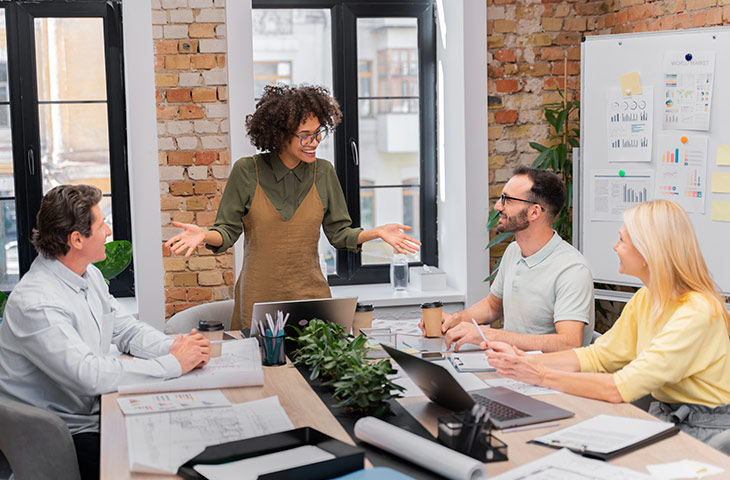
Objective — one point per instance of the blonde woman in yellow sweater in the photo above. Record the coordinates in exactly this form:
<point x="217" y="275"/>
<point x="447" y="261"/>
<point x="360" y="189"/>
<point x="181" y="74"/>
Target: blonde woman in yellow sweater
<point x="671" y="341"/>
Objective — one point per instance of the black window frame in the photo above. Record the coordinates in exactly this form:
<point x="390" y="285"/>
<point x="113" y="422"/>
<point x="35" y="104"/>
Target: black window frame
<point x="344" y="15"/>
<point x="25" y="123"/>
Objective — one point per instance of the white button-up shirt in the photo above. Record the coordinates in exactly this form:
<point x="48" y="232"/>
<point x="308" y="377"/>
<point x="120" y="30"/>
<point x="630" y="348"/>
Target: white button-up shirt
<point x="55" y="339"/>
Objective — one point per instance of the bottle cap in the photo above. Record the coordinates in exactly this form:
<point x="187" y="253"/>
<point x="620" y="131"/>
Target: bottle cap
<point x="209" y="325"/>
<point x="436" y="304"/>
<point x="364" y="307"/>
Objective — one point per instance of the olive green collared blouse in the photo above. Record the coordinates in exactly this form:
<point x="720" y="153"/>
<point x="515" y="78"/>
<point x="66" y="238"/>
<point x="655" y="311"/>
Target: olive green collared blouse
<point x="286" y="189"/>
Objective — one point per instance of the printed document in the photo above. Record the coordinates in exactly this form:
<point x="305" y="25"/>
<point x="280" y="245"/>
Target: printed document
<point x="604" y="433"/>
<point x="566" y="465"/>
<point x="161" y="442"/>
<point x="519" y="387"/>
<point x="171" y="401"/>
<point x="238" y="366"/>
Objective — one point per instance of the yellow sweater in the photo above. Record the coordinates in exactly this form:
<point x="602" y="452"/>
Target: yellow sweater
<point x="684" y="357"/>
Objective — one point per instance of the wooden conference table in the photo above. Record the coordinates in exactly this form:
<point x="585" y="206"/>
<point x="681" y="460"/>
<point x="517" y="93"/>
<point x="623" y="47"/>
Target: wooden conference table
<point x="306" y="409"/>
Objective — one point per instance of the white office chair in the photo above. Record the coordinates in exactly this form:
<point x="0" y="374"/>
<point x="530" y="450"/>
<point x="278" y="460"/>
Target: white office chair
<point x="595" y="337"/>
<point x="188" y="319"/>
<point x="36" y="443"/>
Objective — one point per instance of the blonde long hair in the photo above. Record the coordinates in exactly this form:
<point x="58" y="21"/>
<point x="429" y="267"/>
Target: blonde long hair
<point x="661" y="231"/>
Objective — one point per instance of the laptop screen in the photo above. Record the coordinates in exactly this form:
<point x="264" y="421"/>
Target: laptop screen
<point x="337" y="310"/>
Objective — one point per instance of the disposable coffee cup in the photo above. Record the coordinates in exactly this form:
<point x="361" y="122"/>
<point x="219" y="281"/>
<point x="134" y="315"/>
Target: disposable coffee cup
<point x="363" y="318"/>
<point x="431" y="313"/>
<point x="213" y="331"/>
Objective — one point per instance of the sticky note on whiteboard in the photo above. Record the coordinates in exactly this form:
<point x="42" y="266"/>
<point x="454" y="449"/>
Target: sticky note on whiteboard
<point x="723" y="155"/>
<point x="720" y="211"/>
<point x="720" y="182"/>
<point x="630" y="84"/>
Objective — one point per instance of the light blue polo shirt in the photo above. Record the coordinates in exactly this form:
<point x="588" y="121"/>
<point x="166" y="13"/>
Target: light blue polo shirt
<point x="553" y="284"/>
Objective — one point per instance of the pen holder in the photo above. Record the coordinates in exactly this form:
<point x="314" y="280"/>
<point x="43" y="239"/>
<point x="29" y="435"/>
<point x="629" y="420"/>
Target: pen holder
<point x="472" y="439"/>
<point x="273" y="352"/>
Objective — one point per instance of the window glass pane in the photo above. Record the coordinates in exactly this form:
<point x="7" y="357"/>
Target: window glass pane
<point x="9" y="266"/>
<point x="74" y="145"/>
<point x="70" y="59"/>
<point x="391" y="45"/>
<point x="389" y="205"/>
<point x="389" y="157"/>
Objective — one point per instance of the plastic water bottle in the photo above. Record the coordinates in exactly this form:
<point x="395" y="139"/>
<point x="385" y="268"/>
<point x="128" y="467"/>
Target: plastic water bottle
<point x="399" y="272"/>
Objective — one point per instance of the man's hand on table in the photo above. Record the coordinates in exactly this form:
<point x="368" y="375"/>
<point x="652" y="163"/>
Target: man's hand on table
<point x="192" y="350"/>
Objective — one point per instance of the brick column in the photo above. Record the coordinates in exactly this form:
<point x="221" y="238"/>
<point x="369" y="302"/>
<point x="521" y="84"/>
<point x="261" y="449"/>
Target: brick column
<point x="194" y="148"/>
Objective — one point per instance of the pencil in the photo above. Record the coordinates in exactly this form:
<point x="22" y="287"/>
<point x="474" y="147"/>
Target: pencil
<point x="479" y="329"/>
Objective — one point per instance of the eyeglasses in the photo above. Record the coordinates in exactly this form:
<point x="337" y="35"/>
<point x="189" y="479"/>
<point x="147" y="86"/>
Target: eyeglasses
<point x="320" y="134"/>
<point x="503" y="198"/>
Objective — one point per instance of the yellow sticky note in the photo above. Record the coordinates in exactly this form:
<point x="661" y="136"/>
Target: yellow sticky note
<point x="721" y="182"/>
<point x="723" y="155"/>
<point x="630" y="84"/>
<point x="720" y="211"/>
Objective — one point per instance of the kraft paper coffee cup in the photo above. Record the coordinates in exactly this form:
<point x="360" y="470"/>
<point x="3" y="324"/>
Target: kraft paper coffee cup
<point x="213" y="331"/>
<point x="363" y="318"/>
<point x="431" y="313"/>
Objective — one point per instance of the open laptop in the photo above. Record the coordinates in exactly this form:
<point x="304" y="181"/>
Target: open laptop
<point x="337" y="310"/>
<point x="507" y="408"/>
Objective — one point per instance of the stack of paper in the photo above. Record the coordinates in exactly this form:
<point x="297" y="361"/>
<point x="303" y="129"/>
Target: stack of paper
<point x="162" y="442"/>
<point x="238" y="366"/>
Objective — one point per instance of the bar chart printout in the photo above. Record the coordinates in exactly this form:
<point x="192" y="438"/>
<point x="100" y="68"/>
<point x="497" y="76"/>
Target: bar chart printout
<point x="681" y="170"/>
<point x="612" y="193"/>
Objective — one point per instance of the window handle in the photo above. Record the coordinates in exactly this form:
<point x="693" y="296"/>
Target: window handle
<point x="355" y="156"/>
<point x="31" y="161"/>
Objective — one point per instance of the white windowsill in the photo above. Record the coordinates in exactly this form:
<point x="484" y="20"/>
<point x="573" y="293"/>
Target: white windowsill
<point x="383" y="295"/>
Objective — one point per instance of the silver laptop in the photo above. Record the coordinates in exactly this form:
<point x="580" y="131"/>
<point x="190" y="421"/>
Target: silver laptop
<point x="337" y="310"/>
<point x="507" y="408"/>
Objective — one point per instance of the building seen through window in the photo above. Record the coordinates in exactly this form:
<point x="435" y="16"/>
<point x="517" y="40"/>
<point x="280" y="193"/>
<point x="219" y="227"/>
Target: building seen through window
<point x="294" y="46"/>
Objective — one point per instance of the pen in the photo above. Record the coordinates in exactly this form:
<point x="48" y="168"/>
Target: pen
<point x="530" y="427"/>
<point x="479" y="329"/>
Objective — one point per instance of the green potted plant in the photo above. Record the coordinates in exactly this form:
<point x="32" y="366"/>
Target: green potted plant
<point x="337" y="358"/>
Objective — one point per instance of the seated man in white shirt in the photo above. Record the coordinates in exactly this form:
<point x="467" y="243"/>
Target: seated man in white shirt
<point x="544" y="287"/>
<point x="60" y="322"/>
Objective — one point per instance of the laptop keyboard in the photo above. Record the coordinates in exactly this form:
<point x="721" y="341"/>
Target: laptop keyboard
<point x="497" y="410"/>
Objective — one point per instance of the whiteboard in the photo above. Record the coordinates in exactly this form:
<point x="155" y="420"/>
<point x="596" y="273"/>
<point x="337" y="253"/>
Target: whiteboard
<point x="603" y="60"/>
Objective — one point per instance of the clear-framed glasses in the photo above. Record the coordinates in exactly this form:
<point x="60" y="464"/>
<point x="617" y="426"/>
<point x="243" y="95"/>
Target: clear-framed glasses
<point x="320" y="135"/>
<point x="503" y="198"/>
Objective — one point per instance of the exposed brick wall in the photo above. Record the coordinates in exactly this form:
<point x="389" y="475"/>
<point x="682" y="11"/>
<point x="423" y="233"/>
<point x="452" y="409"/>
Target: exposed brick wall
<point x="526" y="41"/>
<point x="194" y="152"/>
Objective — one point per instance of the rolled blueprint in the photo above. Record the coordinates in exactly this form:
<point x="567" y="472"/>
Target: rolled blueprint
<point x="426" y="453"/>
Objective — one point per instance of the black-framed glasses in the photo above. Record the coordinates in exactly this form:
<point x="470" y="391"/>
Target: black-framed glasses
<point x="504" y="197"/>
<point x="320" y="135"/>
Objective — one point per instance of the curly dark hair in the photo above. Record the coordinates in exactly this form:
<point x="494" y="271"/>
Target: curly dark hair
<point x="282" y="108"/>
<point x="65" y="209"/>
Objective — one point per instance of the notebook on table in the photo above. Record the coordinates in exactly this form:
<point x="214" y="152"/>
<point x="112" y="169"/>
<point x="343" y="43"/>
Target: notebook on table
<point x="507" y="408"/>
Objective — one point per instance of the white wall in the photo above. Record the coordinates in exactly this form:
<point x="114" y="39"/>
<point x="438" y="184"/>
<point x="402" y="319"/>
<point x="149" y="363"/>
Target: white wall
<point x="240" y="89"/>
<point x="144" y="182"/>
<point x="463" y="195"/>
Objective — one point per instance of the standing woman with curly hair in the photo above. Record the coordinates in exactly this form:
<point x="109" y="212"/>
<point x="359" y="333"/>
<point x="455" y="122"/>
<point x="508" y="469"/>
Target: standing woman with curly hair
<point x="280" y="199"/>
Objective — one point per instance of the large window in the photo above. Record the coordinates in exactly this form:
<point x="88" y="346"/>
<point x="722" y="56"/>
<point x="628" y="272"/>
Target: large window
<point x="61" y="87"/>
<point x="379" y="61"/>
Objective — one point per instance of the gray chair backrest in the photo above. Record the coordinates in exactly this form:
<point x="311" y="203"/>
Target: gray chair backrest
<point x="37" y="443"/>
<point x="595" y="337"/>
<point x="188" y="319"/>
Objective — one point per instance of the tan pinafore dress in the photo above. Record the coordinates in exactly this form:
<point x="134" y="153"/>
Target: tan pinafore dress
<point x="280" y="257"/>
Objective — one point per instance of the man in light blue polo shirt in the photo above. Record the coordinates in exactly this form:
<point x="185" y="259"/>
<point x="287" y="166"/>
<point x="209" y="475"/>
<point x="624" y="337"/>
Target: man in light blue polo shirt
<point x="544" y="288"/>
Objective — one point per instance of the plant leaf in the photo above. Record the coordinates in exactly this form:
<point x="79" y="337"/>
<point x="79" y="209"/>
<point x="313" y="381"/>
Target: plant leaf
<point x="118" y="258"/>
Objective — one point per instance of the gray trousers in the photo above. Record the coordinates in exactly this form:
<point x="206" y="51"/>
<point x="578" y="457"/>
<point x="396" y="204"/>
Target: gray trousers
<point x="711" y="425"/>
